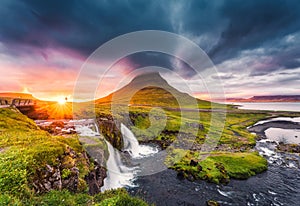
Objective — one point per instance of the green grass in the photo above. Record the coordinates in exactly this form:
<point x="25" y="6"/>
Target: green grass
<point x="117" y="197"/>
<point x="217" y="167"/>
<point x="233" y="135"/>
<point x="25" y="149"/>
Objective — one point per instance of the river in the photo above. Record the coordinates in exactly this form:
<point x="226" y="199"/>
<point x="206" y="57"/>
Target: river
<point x="279" y="185"/>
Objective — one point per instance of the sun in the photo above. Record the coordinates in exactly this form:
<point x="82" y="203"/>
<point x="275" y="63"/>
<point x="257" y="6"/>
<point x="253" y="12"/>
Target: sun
<point x="61" y="101"/>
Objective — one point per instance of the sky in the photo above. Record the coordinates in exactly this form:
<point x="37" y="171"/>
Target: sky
<point x="254" y="44"/>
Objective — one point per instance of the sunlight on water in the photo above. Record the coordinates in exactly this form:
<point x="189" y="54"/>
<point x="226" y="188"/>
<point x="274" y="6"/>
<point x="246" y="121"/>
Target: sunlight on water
<point x="287" y="136"/>
<point x="273" y="106"/>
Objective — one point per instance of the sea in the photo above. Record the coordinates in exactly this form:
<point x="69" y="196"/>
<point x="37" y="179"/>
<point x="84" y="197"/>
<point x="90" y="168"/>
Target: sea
<point x="273" y="106"/>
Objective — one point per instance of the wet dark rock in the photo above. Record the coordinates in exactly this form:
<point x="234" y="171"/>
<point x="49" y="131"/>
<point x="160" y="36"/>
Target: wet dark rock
<point x="180" y="175"/>
<point x="193" y="163"/>
<point x="163" y="143"/>
<point x="110" y="130"/>
<point x="292" y="148"/>
<point x="66" y="175"/>
<point x="71" y="183"/>
<point x="47" y="179"/>
<point x="190" y="177"/>
<point x="95" y="179"/>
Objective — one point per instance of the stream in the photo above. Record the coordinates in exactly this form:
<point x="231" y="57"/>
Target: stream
<point x="279" y="185"/>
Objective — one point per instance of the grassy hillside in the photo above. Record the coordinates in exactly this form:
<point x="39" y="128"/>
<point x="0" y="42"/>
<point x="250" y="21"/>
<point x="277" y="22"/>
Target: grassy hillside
<point x="26" y="152"/>
<point x="152" y="90"/>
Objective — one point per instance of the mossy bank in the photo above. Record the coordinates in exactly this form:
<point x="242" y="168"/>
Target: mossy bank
<point x="39" y="169"/>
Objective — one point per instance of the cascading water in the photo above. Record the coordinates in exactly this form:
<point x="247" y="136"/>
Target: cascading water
<point x="86" y="130"/>
<point x="118" y="175"/>
<point x="132" y="146"/>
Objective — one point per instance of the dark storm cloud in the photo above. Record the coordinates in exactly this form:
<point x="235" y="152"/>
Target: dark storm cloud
<point x="255" y="23"/>
<point x="285" y="56"/>
<point x="224" y="28"/>
<point x="232" y="26"/>
<point x="145" y="59"/>
<point x="79" y="25"/>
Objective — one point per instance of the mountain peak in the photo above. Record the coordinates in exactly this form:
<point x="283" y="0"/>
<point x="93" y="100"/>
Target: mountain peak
<point x="149" y="78"/>
<point x="149" y="89"/>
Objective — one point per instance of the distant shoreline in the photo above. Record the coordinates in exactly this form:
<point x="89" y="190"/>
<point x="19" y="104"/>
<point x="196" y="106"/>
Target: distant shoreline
<point x="268" y="106"/>
<point x="270" y="98"/>
<point x="248" y="101"/>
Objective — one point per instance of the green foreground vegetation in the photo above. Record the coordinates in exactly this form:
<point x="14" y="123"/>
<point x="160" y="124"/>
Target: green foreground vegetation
<point x="25" y="150"/>
<point x="181" y="131"/>
<point x="118" y="197"/>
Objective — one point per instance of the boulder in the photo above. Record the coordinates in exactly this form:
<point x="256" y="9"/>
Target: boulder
<point x="95" y="179"/>
<point x="193" y="163"/>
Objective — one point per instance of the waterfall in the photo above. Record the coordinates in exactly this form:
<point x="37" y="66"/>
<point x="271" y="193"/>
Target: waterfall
<point x="118" y="175"/>
<point x="132" y="145"/>
<point x="97" y="128"/>
<point x="87" y="127"/>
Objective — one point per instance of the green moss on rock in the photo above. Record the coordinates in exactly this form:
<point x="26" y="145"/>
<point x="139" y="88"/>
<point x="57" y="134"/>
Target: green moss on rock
<point x="217" y="167"/>
<point x="28" y="154"/>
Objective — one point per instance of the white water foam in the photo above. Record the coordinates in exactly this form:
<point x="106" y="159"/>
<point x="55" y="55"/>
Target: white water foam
<point x="118" y="175"/>
<point x="85" y="130"/>
<point x="225" y="194"/>
<point x="132" y="146"/>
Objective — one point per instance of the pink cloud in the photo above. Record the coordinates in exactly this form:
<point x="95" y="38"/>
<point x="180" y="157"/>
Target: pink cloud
<point x="49" y="73"/>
